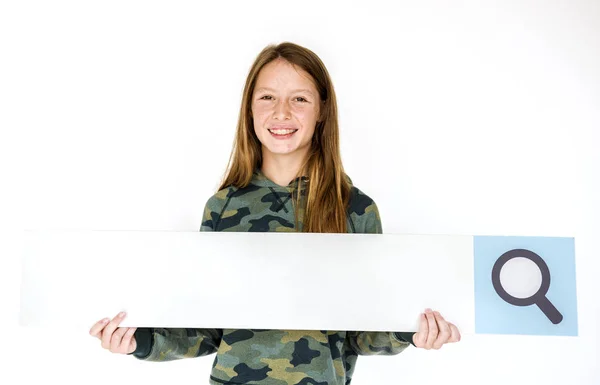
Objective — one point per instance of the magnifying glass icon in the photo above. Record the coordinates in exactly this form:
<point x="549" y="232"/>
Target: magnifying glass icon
<point x="539" y="298"/>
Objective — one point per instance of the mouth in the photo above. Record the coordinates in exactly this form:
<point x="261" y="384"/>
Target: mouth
<point x="282" y="133"/>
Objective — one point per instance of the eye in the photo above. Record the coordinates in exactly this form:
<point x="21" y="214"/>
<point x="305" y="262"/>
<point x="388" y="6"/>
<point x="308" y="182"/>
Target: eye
<point x="303" y="100"/>
<point x="266" y="96"/>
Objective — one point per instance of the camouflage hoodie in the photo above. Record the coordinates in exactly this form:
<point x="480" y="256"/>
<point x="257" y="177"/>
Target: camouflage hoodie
<point x="272" y="357"/>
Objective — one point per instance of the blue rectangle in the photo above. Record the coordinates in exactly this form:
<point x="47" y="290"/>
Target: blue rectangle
<point x="494" y="315"/>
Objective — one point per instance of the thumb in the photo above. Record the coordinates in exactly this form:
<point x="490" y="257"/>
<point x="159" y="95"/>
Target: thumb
<point x="420" y="337"/>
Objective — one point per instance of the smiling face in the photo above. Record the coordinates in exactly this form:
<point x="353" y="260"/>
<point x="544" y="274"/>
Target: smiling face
<point x="285" y="109"/>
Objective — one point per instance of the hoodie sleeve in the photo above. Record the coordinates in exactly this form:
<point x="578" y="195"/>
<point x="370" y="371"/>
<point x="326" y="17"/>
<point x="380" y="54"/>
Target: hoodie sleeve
<point x="364" y="218"/>
<point x="160" y="344"/>
<point x="168" y="344"/>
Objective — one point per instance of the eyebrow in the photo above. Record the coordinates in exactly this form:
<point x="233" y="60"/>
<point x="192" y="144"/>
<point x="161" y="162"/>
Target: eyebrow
<point x="296" y="90"/>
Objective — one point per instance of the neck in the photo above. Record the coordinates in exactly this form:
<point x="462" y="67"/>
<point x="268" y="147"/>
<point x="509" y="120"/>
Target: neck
<point x="281" y="169"/>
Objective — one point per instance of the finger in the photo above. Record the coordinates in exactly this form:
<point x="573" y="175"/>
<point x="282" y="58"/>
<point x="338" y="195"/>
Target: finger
<point x="433" y="329"/>
<point x="128" y="344"/>
<point x="109" y="330"/>
<point x="444" y="331"/>
<point x="115" y="341"/>
<point x="96" y="330"/>
<point x="454" y="333"/>
<point x="420" y="337"/>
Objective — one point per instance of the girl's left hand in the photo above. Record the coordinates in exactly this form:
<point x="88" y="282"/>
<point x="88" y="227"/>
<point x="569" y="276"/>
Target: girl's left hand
<point x="435" y="331"/>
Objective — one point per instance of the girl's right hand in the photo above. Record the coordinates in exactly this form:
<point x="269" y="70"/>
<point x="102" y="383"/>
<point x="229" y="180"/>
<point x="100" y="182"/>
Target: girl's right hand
<point x="115" y="339"/>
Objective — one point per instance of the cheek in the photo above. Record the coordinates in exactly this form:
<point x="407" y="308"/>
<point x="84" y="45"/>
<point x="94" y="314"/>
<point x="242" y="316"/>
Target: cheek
<point x="309" y="117"/>
<point x="261" y="110"/>
<point x="305" y="114"/>
<point x="258" y="118"/>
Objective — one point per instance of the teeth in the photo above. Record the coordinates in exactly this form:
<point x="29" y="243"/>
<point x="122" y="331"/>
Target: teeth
<point x="282" y="131"/>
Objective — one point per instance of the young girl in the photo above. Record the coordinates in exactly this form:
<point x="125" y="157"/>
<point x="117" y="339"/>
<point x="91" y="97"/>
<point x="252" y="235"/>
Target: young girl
<point x="285" y="174"/>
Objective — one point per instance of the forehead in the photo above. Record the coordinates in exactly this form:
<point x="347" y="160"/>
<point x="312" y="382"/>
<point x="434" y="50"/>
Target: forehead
<point x="282" y="74"/>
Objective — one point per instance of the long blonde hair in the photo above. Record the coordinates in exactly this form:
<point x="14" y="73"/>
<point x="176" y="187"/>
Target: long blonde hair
<point x="328" y="187"/>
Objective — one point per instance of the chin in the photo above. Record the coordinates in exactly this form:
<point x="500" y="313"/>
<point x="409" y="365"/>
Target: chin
<point x="282" y="150"/>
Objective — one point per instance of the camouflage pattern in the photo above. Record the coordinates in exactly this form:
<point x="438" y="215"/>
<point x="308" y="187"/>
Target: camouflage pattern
<point x="274" y="357"/>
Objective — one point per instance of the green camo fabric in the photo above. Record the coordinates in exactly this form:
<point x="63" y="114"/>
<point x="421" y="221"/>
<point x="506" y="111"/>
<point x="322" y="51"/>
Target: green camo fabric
<point x="272" y="357"/>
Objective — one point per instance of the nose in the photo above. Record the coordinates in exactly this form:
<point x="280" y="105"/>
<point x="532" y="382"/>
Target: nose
<point x="282" y="110"/>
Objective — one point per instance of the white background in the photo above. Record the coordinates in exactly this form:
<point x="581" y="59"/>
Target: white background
<point x="456" y="117"/>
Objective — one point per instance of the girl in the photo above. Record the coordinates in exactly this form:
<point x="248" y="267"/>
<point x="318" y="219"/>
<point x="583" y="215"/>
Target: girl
<point x="284" y="174"/>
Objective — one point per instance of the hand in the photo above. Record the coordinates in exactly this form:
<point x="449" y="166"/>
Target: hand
<point x="114" y="338"/>
<point x="435" y="331"/>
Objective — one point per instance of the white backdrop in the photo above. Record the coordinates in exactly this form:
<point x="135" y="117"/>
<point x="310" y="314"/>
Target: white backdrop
<point x="457" y="118"/>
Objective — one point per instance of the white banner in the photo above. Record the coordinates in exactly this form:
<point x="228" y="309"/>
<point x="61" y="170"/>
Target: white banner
<point x="378" y="282"/>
